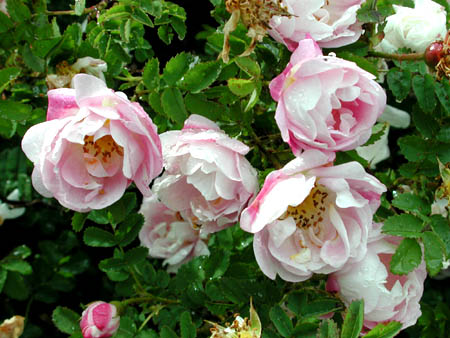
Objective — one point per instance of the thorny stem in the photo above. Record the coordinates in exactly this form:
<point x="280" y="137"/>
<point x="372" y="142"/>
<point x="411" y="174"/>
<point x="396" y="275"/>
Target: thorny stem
<point x="399" y="57"/>
<point x="88" y="10"/>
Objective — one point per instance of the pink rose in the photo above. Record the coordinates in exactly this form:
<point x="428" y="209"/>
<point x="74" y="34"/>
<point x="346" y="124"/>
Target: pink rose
<point x="99" y="320"/>
<point x="206" y="178"/>
<point x="387" y="297"/>
<point x="93" y="145"/>
<point x="332" y="23"/>
<point x="312" y="217"/>
<point x="167" y="235"/>
<point x="325" y="102"/>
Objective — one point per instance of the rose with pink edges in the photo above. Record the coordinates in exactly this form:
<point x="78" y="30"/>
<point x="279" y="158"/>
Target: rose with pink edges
<point x="99" y="320"/>
<point x="207" y="177"/>
<point x="94" y="143"/>
<point x="332" y="23"/>
<point x="312" y="217"/>
<point x="325" y="102"/>
<point x="387" y="297"/>
<point x="167" y="235"/>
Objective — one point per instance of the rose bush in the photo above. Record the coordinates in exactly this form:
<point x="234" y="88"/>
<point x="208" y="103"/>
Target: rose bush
<point x="206" y="178"/>
<point x="325" y="102"/>
<point x="93" y="145"/>
<point x="387" y="297"/>
<point x="167" y="235"/>
<point x="331" y="23"/>
<point x="414" y="28"/>
<point x="311" y="217"/>
<point x="99" y="320"/>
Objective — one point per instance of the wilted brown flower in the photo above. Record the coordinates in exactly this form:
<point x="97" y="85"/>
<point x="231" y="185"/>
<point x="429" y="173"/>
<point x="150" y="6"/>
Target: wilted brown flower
<point x="255" y="15"/>
<point x="443" y="66"/>
<point x="12" y="328"/>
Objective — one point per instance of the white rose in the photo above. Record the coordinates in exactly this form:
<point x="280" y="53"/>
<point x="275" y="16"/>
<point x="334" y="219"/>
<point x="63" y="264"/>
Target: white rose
<point x="414" y="28"/>
<point x="6" y="212"/>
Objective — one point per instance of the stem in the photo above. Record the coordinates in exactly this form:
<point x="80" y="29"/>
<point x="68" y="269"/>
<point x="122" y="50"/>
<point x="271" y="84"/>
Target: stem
<point x="148" y="299"/>
<point x="150" y="316"/>
<point x="128" y="78"/>
<point x="88" y="10"/>
<point x="399" y="57"/>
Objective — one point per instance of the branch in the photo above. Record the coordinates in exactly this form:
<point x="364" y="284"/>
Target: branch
<point x="399" y="57"/>
<point x="102" y="4"/>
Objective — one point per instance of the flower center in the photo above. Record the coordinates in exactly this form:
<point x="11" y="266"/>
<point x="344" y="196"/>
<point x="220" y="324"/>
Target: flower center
<point x="103" y="149"/>
<point x="309" y="212"/>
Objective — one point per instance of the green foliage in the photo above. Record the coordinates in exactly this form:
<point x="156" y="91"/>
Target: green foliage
<point x="353" y="320"/>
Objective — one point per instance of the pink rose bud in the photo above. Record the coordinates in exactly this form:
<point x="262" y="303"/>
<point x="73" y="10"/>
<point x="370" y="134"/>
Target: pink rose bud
<point x="167" y="235"/>
<point x="207" y="177"/>
<point x="387" y="297"/>
<point x="99" y="320"/>
<point x="310" y="217"/>
<point x="94" y="143"/>
<point x="332" y="23"/>
<point x="325" y="102"/>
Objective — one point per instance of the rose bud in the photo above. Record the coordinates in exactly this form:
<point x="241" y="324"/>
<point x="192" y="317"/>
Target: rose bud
<point x="99" y="320"/>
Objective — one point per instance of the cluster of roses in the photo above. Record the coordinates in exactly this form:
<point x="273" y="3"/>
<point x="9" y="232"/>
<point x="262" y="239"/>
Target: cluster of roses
<point x="310" y="217"/>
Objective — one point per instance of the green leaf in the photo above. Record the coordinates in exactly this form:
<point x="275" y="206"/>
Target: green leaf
<point x="423" y="87"/>
<point x="440" y="226"/>
<point x="405" y="225"/>
<point x="241" y="87"/>
<point x="167" y="332"/>
<point x="5" y="22"/>
<point x="140" y="16"/>
<point x="444" y="134"/>
<point x="188" y="329"/>
<point x="129" y="229"/>
<point x="151" y="74"/>
<point x="442" y="91"/>
<point x="407" y="257"/>
<point x="16" y="264"/>
<point x="399" y="82"/>
<point x="173" y="105"/>
<point x="281" y="321"/>
<point x="328" y="329"/>
<point x="66" y="320"/>
<point x="136" y="255"/>
<point x="433" y="252"/>
<point x="18" y="11"/>
<point x="3" y="276"/>
<point x="378" y="131"/>
<point x="297" y="301"/>
<point x="201" y="76"/>
<point x="217" y="264"/>
<point x="199" y="104"/>
<point x="176" y="67"/>
<point x="15" y="286"/>
<point x="414" y="148"/>
<point x="112" y="264"/>
<point x="15" y="110"/>
<point x="319" y="308"/>
<point x="248" y="65"/>
<point x="97" y="237"/>
<point x="165" y="34"/>
<point x="7" y="75"/>
<point x="353" y="320"/>
<point x="411" y="202"/>
<point x="31" y="60"/>
<point x="78" y="220"/>
<point x="385" y="330"/>
<point x="179" y="26"/>
<point x="360" y="61"/>
<point x="80" y="5"/>
<point x="21" y="251"/>
<point x="425" y="123"/>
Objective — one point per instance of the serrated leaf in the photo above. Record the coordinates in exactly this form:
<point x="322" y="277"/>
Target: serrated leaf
<point x="433" y="252"/>
<point x="66" y="320"/>
<point x="34" y="62"/>
<point x="140" y="16"/>
<point x="173" y="105"/>
<point x="7" y="75"/>
<point x="405" y="225"/>
<point x="136" y="255"/>
<point x="353" y="320"/>
<point x="167" y="332"/>
<point x="78" y="220"/>
<point x="15" y="286"/>
<point x="407" y="257"/>
<point x="16" y="264"/>
<point x="241" y="87"/>
<point x="187" y="328"/>
<point x="399" y="81"/>
<point x="217" y="264"/>
<point x="80" y="5"/>
<point x="176" y="67"/>
<point x="151" y="74"/>
<point x="3" y="276"/>
<point x="97" y="237"/>
<point x="199" y="104"/>
<point x="201" y="76"/>
<point x="440" y="226"/>
<point x="328" y="329"/>
<point x="378" y="131"/>
<point x="414" y="148"/>
<point x="385" y="330"/>
<point x="319" y="308"/>
<point x="112" y="264"/>
<point x="423" y="87"/>
<point x="165" y="33"/>
<point x="444" y="134"/>
<point x="442" y="90"/>
<point x="179" y="26"/>
<point x="425" y="123"/>
<point x="129" y="229"/>
<point x="15" y="110"/>
<point x="281" y="321"/>
<point x="411" y="202"/>
<point x="248" y="65"/>
<point x="18" y="11"/>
